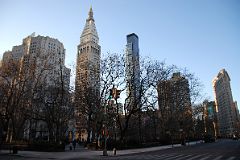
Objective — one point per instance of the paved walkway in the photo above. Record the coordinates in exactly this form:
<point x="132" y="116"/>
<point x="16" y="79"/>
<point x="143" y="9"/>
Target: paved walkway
<point x="81" y="152"/>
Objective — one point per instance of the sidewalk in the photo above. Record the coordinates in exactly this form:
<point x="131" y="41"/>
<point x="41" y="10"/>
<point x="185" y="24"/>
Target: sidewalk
<point x="85" y="153"/>
<point x="141" y="150"/>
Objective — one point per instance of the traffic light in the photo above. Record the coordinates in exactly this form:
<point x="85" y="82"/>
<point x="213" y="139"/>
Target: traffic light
<point x="114" y="93"/>
<point x="117" y="94"/>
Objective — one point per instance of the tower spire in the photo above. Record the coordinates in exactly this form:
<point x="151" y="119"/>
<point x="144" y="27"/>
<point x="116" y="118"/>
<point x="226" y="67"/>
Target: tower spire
<point x="90" y="14"/>
<point x="89" y="29"/>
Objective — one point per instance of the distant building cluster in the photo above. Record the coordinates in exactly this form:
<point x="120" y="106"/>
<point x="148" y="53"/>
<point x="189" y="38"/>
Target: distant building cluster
<point x="88" y="73"/>
<point x="46" y="57"/>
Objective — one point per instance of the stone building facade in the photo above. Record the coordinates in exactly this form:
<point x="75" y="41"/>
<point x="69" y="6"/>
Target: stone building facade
<point x="87" y="83"/>
<point x="225" y="105"/>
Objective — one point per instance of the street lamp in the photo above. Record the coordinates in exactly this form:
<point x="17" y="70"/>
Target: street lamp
<point x="104" y="127"/>
<point x="105" y="142"/>
<point x="182" y="136"/>
<point x="113" y="93"/>
<point x="215" y="132"/>
<point x="169" y="133"/>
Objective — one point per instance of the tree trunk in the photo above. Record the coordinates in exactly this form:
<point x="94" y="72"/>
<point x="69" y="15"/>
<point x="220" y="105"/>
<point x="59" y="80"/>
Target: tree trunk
<point x="139" y="128"/>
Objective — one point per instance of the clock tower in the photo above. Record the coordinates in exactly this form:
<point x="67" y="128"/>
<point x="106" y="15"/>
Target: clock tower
<point x="87" y="83"/>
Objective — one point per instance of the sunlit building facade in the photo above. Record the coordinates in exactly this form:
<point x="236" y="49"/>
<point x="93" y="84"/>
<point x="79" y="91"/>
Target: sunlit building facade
<point x="174" y="102"/>
<point x="225" y="106"/>
<point x="41" y="64"/>
<point x="46" y="56"/>
<point x="87" y="82"/>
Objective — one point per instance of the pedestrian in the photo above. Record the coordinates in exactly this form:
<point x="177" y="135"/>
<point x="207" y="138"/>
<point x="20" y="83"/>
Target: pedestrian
<point x="74" y="144"/>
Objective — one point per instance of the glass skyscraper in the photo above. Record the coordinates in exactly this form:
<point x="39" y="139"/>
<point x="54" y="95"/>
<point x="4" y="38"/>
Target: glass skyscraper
<point x="132" y="71"/>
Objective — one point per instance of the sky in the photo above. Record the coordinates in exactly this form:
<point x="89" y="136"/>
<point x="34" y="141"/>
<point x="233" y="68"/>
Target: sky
<point x="201" y="35"/>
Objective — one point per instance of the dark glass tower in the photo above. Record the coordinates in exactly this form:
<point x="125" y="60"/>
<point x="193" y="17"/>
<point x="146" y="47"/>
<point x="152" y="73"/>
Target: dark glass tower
<point x="132" y="71"/>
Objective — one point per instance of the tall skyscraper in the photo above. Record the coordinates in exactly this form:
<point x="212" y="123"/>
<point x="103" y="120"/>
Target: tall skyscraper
<point x="225" y="105"/>
<point x="132" y="71"/>
<point x="87" y="81"/>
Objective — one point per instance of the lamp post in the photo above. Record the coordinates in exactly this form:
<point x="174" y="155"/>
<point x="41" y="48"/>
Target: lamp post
<point x="114" y="93"/>
<point x="104" y="126"/>
<point x="182" y="136"/>
<point x="111" y="93"/>
<point x="169" y="133"/>
<point x="214" y="128"/>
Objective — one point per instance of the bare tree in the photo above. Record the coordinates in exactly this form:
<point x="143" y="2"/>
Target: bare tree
<point x="144" y="109"/>
<point x="151" y="72"/>
<point x="52" y="107"/>
<point x="22" y="86"/>
<point x="176" y="96"/>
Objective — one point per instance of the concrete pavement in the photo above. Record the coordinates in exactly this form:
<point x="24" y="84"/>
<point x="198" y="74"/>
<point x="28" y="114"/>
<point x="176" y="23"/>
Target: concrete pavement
<point x="85" y="153"/>
<point x="225" y="149"/>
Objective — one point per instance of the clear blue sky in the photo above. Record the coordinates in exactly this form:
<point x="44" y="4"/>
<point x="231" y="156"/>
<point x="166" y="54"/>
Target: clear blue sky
<point x="201" y="35"/>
